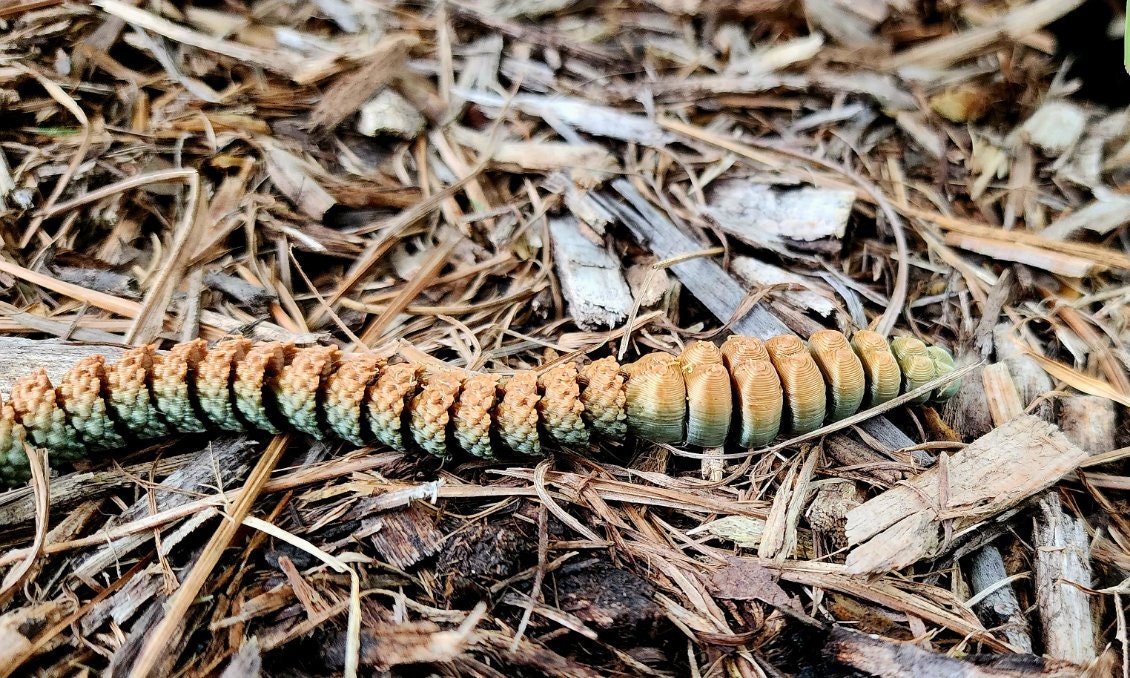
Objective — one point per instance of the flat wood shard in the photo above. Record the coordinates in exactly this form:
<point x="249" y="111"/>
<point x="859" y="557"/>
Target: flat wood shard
<point x="590" y="276"/>
<point x="995" y="472"/>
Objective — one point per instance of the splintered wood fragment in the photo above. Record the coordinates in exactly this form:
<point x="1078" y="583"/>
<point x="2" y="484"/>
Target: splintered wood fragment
<point x="1023" y="20"/>
<point x="403" y="537"/>
<point x="1054" y="262"/>
<point x="878" y="656"/>
<point x="1000" y="608"/>
<point x="995" y="472"/>
<point x="590" y="276"/>
<point x="780" y="536"/>
<point x="1000" y="391"/>
<point x="792" y="288"/>
<point x="1063" y="565"/>
<point x="919" y="129"/>
<point x="1107" y="212"/>
<point x="584" y="115"/>
<point x="1056" y="126"/>
<point x="769" y="217"/>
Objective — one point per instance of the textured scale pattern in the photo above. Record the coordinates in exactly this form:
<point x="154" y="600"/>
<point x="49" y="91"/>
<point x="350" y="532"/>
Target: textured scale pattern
<point x="81" y="394"/>
<point x="746" y="392"/>
<point x="174" y="377"/>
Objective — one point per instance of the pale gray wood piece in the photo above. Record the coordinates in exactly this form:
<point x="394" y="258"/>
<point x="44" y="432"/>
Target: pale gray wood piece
<point x="19" y="356"/>
<point x="1063" y="561"/>
<point x="591" y="278"/>
<point x="1001" y="607"/>
<point x="769" y="217"/>
<point x="584" y="115"/>
<point x="802" y="292"/>
<point x="709" y="282"/>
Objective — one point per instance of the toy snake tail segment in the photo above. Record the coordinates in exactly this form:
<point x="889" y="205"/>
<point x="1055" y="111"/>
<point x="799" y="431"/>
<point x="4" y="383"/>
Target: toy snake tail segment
<point x="745" y="392"/>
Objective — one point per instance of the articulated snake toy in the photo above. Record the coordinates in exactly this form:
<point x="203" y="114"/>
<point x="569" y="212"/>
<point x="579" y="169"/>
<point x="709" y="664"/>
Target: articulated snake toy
<point x="743" y="393"/>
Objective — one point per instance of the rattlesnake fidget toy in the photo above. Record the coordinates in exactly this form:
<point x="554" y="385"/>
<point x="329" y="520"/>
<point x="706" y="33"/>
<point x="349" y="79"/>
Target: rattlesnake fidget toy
<point x="744" y="393"/>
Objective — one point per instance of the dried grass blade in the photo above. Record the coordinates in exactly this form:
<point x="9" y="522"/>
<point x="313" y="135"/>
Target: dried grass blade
<point x="1078" y="380"/>
<point x="37" y="459"/>
<point x="277" y="60"/>
<point x="150" y="319"/>
<point x="67" y="102"/>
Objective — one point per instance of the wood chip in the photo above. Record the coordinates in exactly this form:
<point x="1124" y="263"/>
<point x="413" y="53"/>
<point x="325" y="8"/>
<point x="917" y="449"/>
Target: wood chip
<point x="994" y="473"/>
<point x="769" y="217"/>
<point x="590" y="276"/>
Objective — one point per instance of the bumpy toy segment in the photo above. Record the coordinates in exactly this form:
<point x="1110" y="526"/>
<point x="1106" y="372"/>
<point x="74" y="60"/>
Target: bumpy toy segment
<point x="745" y="392"/>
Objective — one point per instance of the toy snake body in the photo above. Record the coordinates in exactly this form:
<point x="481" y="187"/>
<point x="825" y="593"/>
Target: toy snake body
<point x="745" y="392"/>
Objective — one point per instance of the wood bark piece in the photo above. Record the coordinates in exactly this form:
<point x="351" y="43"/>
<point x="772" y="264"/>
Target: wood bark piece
<point x="999" y="609"/>
<point x="1062" y="564"/>
<point x="591" y="278"/>
<point x="1000" y="391"/>
<point x="893" y="659"/>
<point x="769" y="217"/>
<point x="792" y="288"/>
<point x="19" y="356"/>
<point x="1062" y="547"/>
<point x="995" y="472"/>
